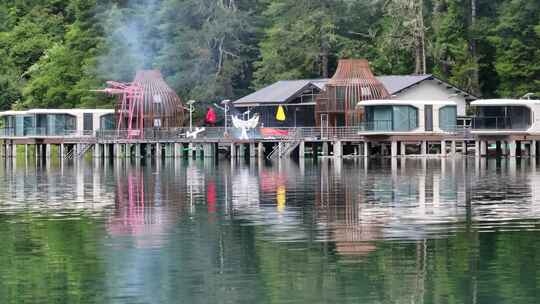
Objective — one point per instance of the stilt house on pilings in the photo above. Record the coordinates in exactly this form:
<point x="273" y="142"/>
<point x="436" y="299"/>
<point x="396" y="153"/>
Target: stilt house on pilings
<point x="146" y="103"/>
<point x="352" y="83"/>
<point x="298" y="98"/>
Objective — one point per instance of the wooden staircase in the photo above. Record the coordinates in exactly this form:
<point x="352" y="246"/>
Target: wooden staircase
<point x="283" y="149"/>
<point x="76" y="154"/>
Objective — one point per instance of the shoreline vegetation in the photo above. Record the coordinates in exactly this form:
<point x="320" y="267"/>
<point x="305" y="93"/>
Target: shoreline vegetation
<point x="54" y="52"/>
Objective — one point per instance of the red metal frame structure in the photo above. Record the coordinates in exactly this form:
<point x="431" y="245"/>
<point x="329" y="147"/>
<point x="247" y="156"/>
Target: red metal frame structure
<point x="352" y="83"/>
<point x="147" y="102"/>
<point x="128" y="109"/>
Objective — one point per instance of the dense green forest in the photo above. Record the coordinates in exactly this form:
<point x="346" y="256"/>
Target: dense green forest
<point x="53" y="52"/>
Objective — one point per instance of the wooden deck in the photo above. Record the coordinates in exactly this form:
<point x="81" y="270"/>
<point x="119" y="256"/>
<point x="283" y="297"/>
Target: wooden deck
<point x="267" y="142"/>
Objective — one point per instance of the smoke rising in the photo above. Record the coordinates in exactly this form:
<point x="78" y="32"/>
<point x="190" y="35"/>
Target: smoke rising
<point x="132" y="40"/>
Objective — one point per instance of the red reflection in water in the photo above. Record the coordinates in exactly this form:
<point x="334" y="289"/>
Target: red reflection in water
<point x="211" y="196"/>
<point x="271" y="181"/>
<point x="134" y="215"/>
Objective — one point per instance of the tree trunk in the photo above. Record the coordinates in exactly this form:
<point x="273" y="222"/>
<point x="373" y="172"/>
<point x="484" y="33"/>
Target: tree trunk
<point x="418" y="56"/>
<point x="324" y="61"/>
<point x="475" y="77"/>
<point x="419" y="44"/>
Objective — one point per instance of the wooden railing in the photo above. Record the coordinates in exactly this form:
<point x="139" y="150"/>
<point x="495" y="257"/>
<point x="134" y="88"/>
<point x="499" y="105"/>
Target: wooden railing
<point x="222" y="134"/>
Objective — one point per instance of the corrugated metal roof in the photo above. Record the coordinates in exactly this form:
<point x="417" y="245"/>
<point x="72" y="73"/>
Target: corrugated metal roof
<point x="278" y="92"/>
<point x="282" y="91"/>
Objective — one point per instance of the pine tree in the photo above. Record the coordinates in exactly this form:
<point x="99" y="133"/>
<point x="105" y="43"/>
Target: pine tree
<point x="301" y="38"/>
<point x="517" y="47"/>
<point x="209" y="46"/>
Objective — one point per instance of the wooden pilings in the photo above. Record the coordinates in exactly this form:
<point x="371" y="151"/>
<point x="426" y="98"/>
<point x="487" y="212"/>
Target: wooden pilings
<point x="336" y="148"/>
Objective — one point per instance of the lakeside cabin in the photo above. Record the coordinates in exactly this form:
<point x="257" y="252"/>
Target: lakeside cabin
<point x="411" y="117"/>
<point x="56" y="122"/>
<point x="298" y="98"/>
<point x="512" y="125"/>
<point x="402" y="127"/>
<point x="493" y="116"/>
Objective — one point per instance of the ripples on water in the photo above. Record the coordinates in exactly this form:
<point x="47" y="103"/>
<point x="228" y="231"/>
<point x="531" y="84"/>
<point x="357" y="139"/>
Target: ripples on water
<point x="391" y="231"/>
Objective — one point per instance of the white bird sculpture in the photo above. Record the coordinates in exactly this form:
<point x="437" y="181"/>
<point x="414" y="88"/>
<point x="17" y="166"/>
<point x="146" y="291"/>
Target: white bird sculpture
<point x="245" y="125"/>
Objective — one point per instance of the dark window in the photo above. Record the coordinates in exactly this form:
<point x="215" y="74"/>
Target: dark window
<point x="428" y="114"/>
<point x="88" y="121"/>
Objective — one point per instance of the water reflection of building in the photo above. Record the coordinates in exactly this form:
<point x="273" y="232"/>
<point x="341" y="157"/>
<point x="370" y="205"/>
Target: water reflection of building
<point x="146" y="203"/>
<point x="269" y="198"/>
<point x="61" y="189"/>
<point x="361" y="205"/>
<point x="338" y="205"/>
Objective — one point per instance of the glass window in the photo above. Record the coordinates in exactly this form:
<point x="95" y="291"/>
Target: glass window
<point x="88" y="124"/>
<point x="405" y="118"/>
<point x="448" y="118"/>
<point x="340" y="97"/>
<point x="29" y="125"/>
<point x="379" y="118"/>
<point x="107" y="122"/>
<point x="19" y="125"/>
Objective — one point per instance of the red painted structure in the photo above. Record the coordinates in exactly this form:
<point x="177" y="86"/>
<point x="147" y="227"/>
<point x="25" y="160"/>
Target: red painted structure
<point x="147" y="102"/>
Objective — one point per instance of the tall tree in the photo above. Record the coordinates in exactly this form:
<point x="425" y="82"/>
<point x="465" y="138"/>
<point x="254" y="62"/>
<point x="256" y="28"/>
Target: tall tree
<point x="209" y="46"/>
<point x="404" y="29"/>
<point x="29" y="31"/>
<point x="61" y="78"/>
<point x="301" y="38"/>
<point x="517" y="43"/>
<point x="451" y="50"/>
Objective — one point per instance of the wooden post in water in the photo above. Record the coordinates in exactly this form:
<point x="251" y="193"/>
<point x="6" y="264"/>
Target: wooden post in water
<point x="443" y="147"/>
<point x="260" y="150"/>
<point x="325" y="148"/>
<point x="138" y="154"/>
<point x="513" y="147"/>
<point x="252" y="150"/>
<point x="47" y="151"/>
<point x="366" y="149"/>
<point x="338" y="149"/>
<point x="394" y="148"/>
<point x="483" y="148"/>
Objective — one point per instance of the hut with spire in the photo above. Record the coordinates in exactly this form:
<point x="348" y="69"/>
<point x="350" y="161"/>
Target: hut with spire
<point x="352" y="83"/>
<point x="147" y="102"/>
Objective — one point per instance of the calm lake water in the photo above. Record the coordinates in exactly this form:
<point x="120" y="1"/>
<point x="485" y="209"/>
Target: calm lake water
<point x="402" y="231"/>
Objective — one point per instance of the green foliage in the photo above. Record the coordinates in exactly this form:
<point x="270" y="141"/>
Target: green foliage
<point x="518" y="48"/>
<point x="53" y="52"/>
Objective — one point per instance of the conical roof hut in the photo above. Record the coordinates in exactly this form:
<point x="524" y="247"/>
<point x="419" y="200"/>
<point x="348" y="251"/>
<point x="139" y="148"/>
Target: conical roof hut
<point x="147" y="102"/>
<point x="352" y="83"/>
<point x="161" y="105"/>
